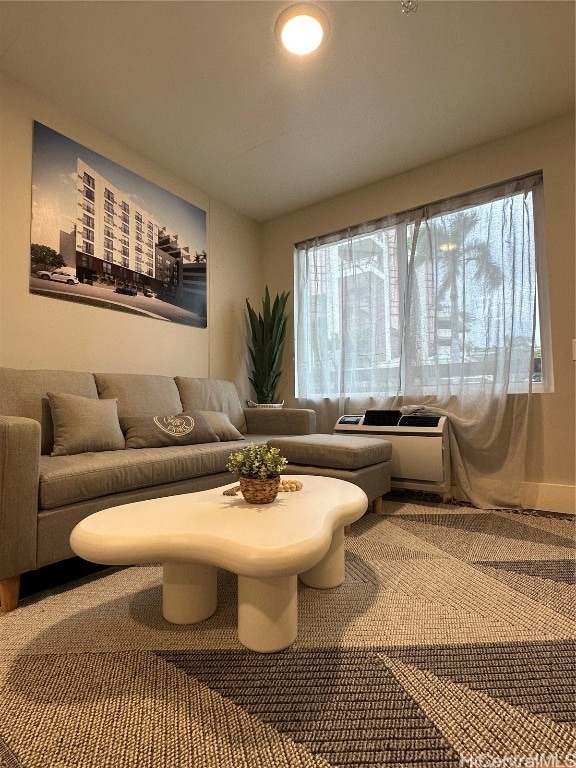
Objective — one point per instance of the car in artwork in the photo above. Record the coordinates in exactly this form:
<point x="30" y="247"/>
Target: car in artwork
<point x="58" y="275"/>
<point x="126" y="290"/>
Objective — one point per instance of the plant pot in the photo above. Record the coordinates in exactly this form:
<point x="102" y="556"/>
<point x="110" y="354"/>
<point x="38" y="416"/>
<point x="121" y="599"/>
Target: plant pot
<point x="259" y="491"/>
<point x="252" y="404"/>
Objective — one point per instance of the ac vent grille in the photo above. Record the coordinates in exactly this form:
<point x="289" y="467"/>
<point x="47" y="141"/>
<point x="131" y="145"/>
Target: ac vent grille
<point x="376" y="418"/>
<point x="419" y="421"/>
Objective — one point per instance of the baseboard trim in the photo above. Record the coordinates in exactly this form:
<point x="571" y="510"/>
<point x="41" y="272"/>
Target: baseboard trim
<point x="549" y="497"/>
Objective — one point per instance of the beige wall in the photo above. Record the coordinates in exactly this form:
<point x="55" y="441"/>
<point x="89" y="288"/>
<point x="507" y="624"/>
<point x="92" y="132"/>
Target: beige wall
<point x="234" y="277"/>
<point x="42" y="332"/>
<point x="550" y="147"/>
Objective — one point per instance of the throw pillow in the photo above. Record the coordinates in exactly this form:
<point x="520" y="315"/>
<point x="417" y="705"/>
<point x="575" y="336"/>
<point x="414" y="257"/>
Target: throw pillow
<point x="221" y="424"/>
<point x="83" y="424"/>
<point x="187" y="428"/>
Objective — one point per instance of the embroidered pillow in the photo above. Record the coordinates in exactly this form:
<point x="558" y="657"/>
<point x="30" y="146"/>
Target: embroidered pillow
<point x="83" y="424"/>
<point x="221" y="424"/>
<point x="187" y="428"/>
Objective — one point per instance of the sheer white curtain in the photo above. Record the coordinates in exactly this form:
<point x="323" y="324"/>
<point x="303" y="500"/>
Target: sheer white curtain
<point x="436" y="307"/>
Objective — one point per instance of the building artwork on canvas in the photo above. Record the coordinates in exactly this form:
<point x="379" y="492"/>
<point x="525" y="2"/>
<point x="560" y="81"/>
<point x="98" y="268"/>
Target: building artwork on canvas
<point x="104" y="236"/>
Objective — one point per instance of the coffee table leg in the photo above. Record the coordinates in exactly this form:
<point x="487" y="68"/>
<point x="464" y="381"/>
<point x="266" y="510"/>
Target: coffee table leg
<point x="330" y="571"/>
<point x="189" y="592"/>
<point x="267" y="612"/>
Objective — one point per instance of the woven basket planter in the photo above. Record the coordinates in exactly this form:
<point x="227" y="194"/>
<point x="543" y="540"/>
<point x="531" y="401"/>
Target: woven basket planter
<point x="259" y="491"/>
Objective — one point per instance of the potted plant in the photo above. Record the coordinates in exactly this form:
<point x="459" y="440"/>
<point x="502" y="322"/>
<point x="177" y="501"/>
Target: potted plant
<point x="258" y="468"/>
<point x="267" y="335"/>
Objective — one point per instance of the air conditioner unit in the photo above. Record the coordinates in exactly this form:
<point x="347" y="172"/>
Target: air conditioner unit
<point x="420" y="446"/>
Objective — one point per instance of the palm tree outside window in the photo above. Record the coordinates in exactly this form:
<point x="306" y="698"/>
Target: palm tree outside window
<point x="448" y="290"/>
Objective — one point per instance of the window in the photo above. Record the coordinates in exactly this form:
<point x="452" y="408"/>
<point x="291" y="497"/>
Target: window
<point x="88" y="180"/>
<point x="87" y="234"/>
<point x="89" y="194"/>
<point x="436" y="301"/>
<point x="109" y="207"/>
<point x="88" y="247"/>
<point x="108" y="195"/>
<point x="88" y="221"/>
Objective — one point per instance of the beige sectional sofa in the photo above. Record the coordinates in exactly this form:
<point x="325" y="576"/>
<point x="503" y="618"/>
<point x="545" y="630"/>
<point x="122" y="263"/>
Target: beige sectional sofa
<point x="64" y="454"/>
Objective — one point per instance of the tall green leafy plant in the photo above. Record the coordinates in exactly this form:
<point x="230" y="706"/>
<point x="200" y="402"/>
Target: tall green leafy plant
<point x="268" y="332"/>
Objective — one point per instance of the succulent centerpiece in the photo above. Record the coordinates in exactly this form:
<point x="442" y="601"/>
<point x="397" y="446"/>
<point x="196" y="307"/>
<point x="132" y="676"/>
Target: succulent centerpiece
<point x="258" y="469"/>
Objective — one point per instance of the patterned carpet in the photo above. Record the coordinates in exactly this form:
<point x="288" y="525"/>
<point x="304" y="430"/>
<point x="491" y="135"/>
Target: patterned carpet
<point x="450" y="643"/>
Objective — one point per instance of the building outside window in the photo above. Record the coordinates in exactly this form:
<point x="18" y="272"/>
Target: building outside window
<point x="428" y="300"/>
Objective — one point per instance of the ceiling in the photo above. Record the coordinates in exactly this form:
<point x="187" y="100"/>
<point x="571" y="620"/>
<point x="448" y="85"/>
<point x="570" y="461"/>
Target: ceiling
<point x="203" y="89"/>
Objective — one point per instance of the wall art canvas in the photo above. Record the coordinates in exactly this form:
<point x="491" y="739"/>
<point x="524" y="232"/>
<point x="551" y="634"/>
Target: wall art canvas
<point x="104" y="236"/>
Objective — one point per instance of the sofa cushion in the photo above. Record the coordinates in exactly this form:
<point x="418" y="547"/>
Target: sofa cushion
<point x="71" y="479"/>
<point x="222" y="425"/>
<point x="139" y="394"/>
<point x="84" y="424"/>
<point x="337" y="451"/>
<point x="23" y="393"/>
<point x="188" y="428"/>
<point x="212" y="395"/>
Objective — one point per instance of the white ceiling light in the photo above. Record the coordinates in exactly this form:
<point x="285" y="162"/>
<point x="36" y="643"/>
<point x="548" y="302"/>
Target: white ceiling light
<point x="301" y="28"/>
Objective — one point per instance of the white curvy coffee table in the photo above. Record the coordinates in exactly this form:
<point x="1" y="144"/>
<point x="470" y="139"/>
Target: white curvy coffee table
<point x="267" y="545"/>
